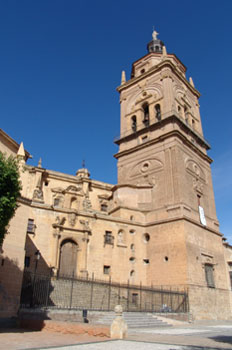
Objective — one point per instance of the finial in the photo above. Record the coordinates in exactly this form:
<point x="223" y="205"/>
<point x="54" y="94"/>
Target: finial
<point x="154" y="34"/>
<point x="164" y="51"/>
<point x="191" y="81"/>
<point x="83" y="163"/>
<point x="21" y="152"/>
<point x="40" y="163"/>
<point x="123" y="78"/>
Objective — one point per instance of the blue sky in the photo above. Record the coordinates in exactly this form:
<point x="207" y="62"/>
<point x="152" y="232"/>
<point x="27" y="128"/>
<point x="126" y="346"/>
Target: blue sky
<point x="61" y="61"/>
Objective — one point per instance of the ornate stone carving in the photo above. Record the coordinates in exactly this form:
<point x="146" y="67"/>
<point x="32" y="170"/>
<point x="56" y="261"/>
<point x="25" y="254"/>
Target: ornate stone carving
<point x="73" y="188"/>
<point x="38" y="194"/>
<point x="87" y="205"/>
<point x="85" y="224"/>
<point x="72" y="219"/>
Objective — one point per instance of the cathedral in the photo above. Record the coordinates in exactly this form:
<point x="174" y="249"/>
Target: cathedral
<point x="156" y="227"/>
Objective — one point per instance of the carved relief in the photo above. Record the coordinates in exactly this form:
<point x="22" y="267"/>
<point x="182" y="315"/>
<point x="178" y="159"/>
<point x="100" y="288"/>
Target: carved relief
<point x="198" y="175"/>
<point x="72" y="219"/>
<point x="146" y="168"/>
<point x="73" y="188"/>
<point x="154" y="91"/>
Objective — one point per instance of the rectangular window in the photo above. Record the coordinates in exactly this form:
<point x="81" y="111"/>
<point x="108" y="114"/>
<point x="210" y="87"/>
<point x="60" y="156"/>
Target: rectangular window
<point x="230" y="279"/>
<point x="27" y="261"/>
<point x="135" y="298"/>
<point x="209" y="276"/>
<point x="106" y="270"/>
<point x="103" y="207"/>
<point x="108" y="237"/>
<point x="30" y="226"/>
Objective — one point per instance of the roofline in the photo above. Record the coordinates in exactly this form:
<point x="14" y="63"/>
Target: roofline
<point x="12" y="141"/>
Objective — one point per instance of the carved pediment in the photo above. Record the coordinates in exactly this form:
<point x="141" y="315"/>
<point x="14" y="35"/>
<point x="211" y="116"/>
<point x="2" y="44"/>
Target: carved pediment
<point x="73" y="188"/>
<point x="58" y="190"/>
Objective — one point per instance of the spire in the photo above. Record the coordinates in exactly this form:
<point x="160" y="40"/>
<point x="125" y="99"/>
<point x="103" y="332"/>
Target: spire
<point x="155" y="45"/>
<point x="21" y="152"/>
<point x="123" y="78"/>
<point x="40" y="163"/>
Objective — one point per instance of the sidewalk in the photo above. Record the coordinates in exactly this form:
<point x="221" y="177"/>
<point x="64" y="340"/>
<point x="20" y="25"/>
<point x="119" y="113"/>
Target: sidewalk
<point x="205" y="335"/>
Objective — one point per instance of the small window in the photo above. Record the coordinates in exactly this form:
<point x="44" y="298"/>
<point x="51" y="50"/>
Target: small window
<point x="134" y="123"/>
<point x="135" y="298"/>
<point x="142" y="71"/>
<point x="144" y="138"/>
<point x="146" y="119"/>
<point x="132" y="247"/>
<point x="209" y="276"/>
<point x="132" y="273"/>
<point x="108" y="238"/>
<point x="27" y="261"/>
<point x="30" y="226"/>
<point x="158" y="112"/>
<point x="46" y="183"/>
<point x="146" y="237"/>
<point x="146" y="261"/>
<point x="230" y="279"/>
<point x="104" y="207"/>
<point x="132" y="259"/>
<point x="56" y="202"/>
<point x="132" y="232"/>
<point x="106" y="269"/>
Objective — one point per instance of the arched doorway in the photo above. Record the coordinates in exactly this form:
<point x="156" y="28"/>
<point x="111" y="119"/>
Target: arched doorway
<point x="68" y="258"/>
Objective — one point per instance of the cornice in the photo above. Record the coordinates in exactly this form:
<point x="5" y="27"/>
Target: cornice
<point x="163" y="137"/>
<point x="156" y="68"/>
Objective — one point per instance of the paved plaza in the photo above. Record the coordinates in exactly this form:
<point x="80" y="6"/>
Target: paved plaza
<point x="199" y="336"/>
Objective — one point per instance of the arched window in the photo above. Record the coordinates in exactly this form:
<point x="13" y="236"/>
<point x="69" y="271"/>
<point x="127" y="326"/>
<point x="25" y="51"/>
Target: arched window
<point x="134" y="123"/>
<point x="146" y="120"/>
<point x="158" y="112"/>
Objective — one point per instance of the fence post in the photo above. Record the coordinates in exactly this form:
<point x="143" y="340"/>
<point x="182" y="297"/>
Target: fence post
<point x="109" y="293"/>
<point x="140" y="306"/>
<point x="162" y="297"/>
<point x="171" y="298"/>
<point x="91" y="291"/>
<point x="152" y="301"/>
<point x="71" y="291"/>
<point x="119" y="296"/>
<point x="48" y="287"/>
<point x="128" y="294"/>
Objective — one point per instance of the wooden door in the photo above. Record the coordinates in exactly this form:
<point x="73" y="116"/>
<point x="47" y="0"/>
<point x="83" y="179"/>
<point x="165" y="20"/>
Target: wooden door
<point x="68" y="258"/>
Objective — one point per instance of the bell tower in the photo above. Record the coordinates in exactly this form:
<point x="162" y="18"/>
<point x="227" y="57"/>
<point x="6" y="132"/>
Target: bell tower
<point x="163" y="154"/>
<point x="161" y="141"/>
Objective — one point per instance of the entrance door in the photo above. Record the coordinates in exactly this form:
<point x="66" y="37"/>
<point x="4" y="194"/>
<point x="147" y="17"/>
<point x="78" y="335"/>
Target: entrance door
<point x="68" y="258"/>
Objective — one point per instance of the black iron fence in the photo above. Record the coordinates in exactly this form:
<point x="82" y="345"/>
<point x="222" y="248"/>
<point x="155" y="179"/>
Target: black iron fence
<point x="92" y="294"/>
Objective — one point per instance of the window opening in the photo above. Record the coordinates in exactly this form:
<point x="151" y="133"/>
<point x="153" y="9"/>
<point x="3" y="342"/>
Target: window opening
<point x="135" y="298"/>
<point x="104" y="207"/>
<point x="146" y="261"/>
<point x="56" y="202"/>
<point x="146" y="120"/>
<point x="108" y="238"/>
<point x="134" y="123"/>
<point x="27" y="261"/>
<point x="30" y="226"/>
<point x="132" y="273"/>
<point x="106" y="269"/>
<point x="158" y="112"/>
<point x="146" y="237"/>
<point x="209" y="276"/>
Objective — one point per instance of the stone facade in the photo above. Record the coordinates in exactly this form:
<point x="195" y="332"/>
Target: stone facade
<point x="158" y="225"/>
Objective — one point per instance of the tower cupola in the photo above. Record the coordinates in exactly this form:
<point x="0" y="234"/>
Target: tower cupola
<point x="155" y="45"/>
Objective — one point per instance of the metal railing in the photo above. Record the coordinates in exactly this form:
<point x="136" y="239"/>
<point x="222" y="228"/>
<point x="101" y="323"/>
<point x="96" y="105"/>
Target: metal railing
<point x="71" y="292"/>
